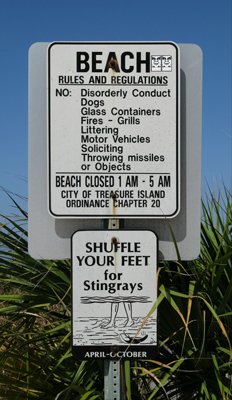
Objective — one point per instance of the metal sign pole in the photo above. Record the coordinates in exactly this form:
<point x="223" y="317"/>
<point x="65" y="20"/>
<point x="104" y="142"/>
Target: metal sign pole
<point x="113" y="387"/>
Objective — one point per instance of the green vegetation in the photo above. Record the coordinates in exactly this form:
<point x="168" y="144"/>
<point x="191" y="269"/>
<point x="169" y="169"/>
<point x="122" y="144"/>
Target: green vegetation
<point x="195" y="323"/>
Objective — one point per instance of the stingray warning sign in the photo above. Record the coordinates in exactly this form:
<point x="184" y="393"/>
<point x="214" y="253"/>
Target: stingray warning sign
<point x="113" y="129"/>
<point x="114" y="289"/>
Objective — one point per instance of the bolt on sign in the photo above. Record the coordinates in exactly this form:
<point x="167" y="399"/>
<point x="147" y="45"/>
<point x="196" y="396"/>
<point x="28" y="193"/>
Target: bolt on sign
<point x="114" y="289"/>
<point x="113" y="117"/>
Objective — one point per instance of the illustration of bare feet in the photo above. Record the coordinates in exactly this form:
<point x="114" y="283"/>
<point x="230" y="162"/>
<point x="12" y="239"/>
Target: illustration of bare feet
<point x="129" y="322"/>
<point x="110" y="324"/>
<point x="113" y="314"/>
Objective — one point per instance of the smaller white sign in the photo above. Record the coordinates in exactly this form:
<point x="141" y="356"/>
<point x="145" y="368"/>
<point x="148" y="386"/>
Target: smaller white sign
<point x="114" y="288"/>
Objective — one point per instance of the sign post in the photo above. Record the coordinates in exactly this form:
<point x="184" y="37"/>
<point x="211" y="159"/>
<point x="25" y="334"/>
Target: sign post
<point x="114" y="153"/>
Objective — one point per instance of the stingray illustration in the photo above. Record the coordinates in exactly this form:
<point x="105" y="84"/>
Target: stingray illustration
<point x="132" y="339"/>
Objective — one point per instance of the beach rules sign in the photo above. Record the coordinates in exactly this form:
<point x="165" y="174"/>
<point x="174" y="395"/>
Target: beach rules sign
<point x="113" y="129"/>
<point x="113" y="291"/>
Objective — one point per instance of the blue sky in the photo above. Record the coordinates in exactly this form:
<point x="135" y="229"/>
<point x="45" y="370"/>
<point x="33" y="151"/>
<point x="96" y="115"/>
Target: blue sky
<point x="206" y="23"/>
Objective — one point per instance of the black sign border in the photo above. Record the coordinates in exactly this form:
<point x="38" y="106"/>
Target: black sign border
<point x="80" y="351"/>
<point x="120" y="216"/>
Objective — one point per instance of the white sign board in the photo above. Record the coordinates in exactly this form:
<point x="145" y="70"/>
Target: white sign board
<point x="113" y="120"/>
<point x="114" y="288"/>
